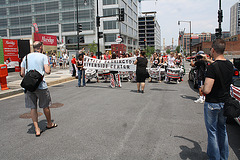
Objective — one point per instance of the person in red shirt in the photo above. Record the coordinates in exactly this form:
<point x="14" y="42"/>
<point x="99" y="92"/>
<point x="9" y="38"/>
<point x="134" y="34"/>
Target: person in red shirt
<point x="92" y="55"/>
<point x="73" y="65"/>
<point x="107" y="56"/>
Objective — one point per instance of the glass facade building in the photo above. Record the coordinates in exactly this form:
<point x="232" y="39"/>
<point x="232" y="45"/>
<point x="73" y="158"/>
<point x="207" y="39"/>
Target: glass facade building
<point x="235" y="19"/>
<point x="58" y="17"/>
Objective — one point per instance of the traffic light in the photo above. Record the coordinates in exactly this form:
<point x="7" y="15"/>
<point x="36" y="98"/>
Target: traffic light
<point x="218" y="33"/>
<point x="98" y="21"/>
<point x="79" y="27"/>
<point x="121" y="14"/>
<point x="81" y="39"/>
<point x="220" y="16"/>
<point x="100" y="34"/>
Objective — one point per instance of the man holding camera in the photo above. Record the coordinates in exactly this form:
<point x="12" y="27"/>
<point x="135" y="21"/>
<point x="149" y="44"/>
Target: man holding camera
<point x="201" y="68"/>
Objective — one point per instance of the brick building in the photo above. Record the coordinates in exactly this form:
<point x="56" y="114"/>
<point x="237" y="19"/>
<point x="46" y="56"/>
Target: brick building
<point x="232" y="46"/>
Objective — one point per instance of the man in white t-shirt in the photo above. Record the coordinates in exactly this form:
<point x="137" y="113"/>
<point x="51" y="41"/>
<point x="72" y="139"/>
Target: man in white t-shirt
<point x="38" y="61"/>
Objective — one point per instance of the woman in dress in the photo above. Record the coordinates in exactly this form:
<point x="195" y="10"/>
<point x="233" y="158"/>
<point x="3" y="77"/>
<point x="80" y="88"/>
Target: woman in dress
<point x="141" y="72"/>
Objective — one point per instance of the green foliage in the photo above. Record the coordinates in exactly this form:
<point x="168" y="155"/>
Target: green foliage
<point x="93" y="47"/>
<point x="178" y="49"/>
<point x="149" y="51"/>
<point x="168" y="51"/>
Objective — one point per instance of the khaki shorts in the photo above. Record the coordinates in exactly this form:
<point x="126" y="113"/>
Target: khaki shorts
<point x="41" y="95"/>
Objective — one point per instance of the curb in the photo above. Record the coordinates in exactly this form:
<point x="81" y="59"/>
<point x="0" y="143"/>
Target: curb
<point x="20" y="90"/>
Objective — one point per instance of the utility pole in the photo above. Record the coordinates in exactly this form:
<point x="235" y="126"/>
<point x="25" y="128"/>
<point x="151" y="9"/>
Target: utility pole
<point x="77" y="26"/>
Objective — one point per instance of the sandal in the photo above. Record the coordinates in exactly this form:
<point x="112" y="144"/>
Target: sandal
<point x="38" y="135"/>
<point x="53" y="126"/>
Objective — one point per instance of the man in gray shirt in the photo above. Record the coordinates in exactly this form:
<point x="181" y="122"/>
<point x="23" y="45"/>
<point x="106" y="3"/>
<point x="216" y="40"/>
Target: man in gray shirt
<point x="39" y="62"/>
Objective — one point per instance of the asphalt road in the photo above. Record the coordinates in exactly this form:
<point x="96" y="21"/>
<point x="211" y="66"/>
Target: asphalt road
<point x="100" y="123"/>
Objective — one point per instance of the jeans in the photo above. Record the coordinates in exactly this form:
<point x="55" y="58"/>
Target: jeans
<point x="80" y="74"/>
<point x="215" y="122"/>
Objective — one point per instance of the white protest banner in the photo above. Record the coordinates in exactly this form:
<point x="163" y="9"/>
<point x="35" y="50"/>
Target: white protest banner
<point x="123" y="64"/>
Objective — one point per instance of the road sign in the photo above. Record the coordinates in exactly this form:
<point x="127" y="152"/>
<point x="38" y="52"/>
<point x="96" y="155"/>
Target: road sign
<point x="119" y="40"/>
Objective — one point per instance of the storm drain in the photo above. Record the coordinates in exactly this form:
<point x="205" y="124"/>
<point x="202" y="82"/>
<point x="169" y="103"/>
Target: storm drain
<point x="28" y="115"/>
<point x="56" y="105"/>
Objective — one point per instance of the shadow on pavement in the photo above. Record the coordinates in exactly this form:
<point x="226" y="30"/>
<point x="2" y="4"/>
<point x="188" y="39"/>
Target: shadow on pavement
<point x="158" y="89"/>
<point x="233" y="131"/>
<point x="188" y="97"/>
<point x="42" y="125"/>
<point x="194" y="153"/>
<point x="190" y="83"/>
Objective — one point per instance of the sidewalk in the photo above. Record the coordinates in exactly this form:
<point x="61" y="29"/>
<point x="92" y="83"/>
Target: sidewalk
<point x="13" y="81"/>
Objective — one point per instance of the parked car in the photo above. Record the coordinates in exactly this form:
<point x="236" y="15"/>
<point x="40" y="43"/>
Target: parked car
<point x="235" y="92"/>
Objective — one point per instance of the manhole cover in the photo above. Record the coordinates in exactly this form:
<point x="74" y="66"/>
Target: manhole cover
<point x="56" y="105"/>
<point x="28" y="115"/>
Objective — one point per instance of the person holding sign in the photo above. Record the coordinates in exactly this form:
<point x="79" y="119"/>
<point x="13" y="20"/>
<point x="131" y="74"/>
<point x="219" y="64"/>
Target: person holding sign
<point x="115" y="80"/>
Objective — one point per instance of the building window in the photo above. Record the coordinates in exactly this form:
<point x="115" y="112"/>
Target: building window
<point x="3" y="12"/>
<point x="42" y="29"/>
<point x="14" y="32"/>
<point x="109" y="2"/>
<point x="110" y="37"/>
<point x="25" y="9"/>
<point x="14" y="21"/>
<point x="68" y="3"/>
<point x="25" y="20"/>
<point x="13" y="10"/>
<point x="52" y="17"/>
<point x="3" y="33"/>
<point x="40" y="19"/>
<point x="68" y="27"/>
<point x="26" y="31"/>
<point x="40" y="7"/>
<point x="85" y="15"/>
<point x="110" y="25"/>
<point x="67" y="16"/>
<point x="3" y="22"/>
<point x="51" y="6"/>
<point x="52" y="29"/>
<point x="109" y="12"/>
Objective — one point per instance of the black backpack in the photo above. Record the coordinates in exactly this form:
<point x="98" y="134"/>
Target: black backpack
<point x="31" y="80"/>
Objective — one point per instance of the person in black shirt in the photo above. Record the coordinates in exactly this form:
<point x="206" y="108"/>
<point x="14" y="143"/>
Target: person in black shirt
<point x="141" y="72"/>
<point x="201" y="68"/>
<point x="213" y="107"/>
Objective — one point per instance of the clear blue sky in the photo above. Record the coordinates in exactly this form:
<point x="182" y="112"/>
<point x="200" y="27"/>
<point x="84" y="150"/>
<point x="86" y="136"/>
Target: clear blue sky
<point x="202" y="13"/>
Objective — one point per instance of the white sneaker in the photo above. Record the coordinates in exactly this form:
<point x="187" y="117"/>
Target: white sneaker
<point x="199" y="100"/>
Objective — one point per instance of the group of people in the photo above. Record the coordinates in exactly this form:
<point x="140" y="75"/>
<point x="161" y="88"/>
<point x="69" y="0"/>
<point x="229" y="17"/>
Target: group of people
<point x="215" y="121"/>
<point x="62" y="60"/>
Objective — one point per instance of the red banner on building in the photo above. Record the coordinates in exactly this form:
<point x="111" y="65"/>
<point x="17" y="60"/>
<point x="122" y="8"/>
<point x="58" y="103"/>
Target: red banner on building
<point x="10" y="49"/>
<point x="46" y="39"/>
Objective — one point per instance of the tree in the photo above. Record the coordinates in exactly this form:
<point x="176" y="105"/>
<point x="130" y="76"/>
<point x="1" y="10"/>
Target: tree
<point x="93" y="47"/>
<point x="178" y="49"/>
<point x="168" y="51"/>
<point x="149" y="51"/>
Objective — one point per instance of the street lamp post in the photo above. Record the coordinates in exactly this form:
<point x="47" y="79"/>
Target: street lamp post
<point x="190" y="22"/>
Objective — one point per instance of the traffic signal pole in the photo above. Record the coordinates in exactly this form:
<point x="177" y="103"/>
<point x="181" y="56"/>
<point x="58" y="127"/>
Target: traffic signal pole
<point x="220" y="17"/>
<point x="77" y="26"/>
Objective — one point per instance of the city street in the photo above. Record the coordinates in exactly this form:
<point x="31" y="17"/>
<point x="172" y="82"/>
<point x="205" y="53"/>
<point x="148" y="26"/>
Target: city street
<point x="100" y="123"/>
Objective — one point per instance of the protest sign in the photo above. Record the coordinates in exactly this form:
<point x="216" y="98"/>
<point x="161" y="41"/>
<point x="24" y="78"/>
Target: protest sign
<point x="123" y="64"/>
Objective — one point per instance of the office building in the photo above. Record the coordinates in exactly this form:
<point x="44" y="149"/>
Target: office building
<point x="235" y="19"/>
<point x="58" y="17"/>
<point x="149" y="31"/>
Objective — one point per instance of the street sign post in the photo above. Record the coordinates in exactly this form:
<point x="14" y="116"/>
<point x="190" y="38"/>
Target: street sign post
<point x="119" y="40"/>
